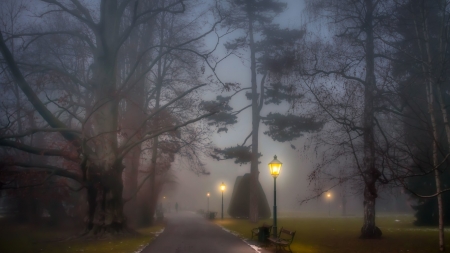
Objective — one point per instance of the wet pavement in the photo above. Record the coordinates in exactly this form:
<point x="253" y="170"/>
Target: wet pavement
<point x="187" y="232"/>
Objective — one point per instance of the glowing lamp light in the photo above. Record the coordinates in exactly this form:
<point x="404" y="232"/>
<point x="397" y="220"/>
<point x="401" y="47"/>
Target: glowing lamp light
<point x="222" y="188"/>
<point x="207" y="194"/>
<point x="275" y="167"/>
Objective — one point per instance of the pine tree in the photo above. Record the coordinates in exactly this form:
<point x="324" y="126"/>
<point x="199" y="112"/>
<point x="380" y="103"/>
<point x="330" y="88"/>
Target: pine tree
<point x="270" y="57"/>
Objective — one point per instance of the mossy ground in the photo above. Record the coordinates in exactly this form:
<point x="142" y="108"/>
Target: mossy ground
<point x="16" y="238"/>
<point x="340" y="234"/>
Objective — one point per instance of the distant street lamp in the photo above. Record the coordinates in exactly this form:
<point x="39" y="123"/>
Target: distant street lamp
<point x="222" y="188"/>
<point x="164" y="203"/>
<point x="207" y="203"/>
<point x="329" y="203"/>
<point x="275" y="168"/>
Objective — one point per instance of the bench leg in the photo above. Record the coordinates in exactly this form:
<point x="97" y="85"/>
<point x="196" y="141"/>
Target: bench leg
<point x="289" y="246"/>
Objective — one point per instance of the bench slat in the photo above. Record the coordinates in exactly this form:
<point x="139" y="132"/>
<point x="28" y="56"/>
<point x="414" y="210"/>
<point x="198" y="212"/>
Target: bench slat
<point x="283" y="242"/>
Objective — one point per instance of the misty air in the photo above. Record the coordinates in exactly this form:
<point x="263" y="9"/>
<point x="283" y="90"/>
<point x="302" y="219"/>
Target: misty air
<point x="224" y="126"/>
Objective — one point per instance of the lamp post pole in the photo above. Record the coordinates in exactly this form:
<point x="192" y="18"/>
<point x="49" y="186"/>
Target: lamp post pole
<point x="329" y="204"/>
<point x="275" y="207"/>
<point x="207" y="203"/>
<point x="275" y="168"/>
<point x="222" y="188"/>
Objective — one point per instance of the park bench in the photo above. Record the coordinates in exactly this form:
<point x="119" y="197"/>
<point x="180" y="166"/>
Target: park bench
<point x="266" y="229"/>
<point x="284" y="239"/>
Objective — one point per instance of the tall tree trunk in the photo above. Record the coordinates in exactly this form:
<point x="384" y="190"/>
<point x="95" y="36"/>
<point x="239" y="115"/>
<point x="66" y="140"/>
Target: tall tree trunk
<point x="103" y="162"/>
<point x="140" y="39"/>
<point x="132" y="121"/>
<point x="432" y="92"/>
<point x="371" y="173"/>
<point x="153" y="188"/>
<point x="92" y="206"/>
<point x="254" y="172"/>
<point x="104" y="194"/>
<point x="114" y="218"/>
<point x="434" y="129"/>
<point x="131" y="161"/>
<point x="443" y="44"/>
<point x="155" y="142"/>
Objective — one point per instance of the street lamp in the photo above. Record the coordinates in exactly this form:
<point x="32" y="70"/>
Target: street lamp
<point x="222" y="188"/>
<point x="275" y="168"/>
<point x="164" y="203"/>
<point x="207" y="203"/>
<point x="329" y="203"/>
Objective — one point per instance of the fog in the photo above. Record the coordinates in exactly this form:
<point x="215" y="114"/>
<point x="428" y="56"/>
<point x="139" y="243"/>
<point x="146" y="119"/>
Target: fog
<point x="113" y="116"/>
<point x="293" y="186"/>
<point x="292" y="183"/>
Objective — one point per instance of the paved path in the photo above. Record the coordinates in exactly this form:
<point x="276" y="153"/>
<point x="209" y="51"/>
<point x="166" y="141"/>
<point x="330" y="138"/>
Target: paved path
<point x="187" y="232"/>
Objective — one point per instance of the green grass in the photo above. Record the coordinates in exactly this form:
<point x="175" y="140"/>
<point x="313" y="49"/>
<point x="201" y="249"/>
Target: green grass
<point x="26" y="239"/>
<point x="340" y="234"/>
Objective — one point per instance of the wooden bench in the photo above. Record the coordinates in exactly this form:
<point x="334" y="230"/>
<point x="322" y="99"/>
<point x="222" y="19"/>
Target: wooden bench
<point x="284" y="239"/>
<point x="256" y="231"/>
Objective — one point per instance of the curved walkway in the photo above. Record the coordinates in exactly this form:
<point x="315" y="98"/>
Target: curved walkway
<point x="187" y="232"/>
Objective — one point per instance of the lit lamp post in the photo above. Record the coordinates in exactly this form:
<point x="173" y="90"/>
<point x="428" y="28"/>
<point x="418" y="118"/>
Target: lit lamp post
<point x="275" y="168"/>
<point x="329" y="203"/>
<point x="207" y="203"/>
<point x="222" y="188"/>
<point x="164" y="203"/>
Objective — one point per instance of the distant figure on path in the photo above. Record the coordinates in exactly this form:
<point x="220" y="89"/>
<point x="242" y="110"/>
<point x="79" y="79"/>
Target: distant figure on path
<point x="176" y="207"/>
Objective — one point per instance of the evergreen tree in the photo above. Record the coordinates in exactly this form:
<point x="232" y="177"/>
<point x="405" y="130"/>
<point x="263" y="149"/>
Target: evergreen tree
<point x="270" y="57"/>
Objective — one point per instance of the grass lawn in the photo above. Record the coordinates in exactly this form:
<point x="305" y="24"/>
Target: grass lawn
<point x="26" y="239"/>
<point x="340" y="234"/>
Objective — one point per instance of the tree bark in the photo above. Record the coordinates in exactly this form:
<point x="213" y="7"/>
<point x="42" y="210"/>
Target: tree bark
<point x="155" y="142"/>
<point x="132" y="120"/>
<point x="432" y="92"/>
<point x="92" y="206"/>
<point x="114" y="219"/>
<point x="110" y="218"/>
<point x="371" y="173"/>
<point x="132" y="161"/>
<point x="105" y="202"/>
<point x="434" y="129"/>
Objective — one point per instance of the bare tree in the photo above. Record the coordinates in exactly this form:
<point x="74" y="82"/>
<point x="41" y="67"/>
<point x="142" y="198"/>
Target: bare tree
<point x="355" y="23"/>
<point x="94" y="135"/>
